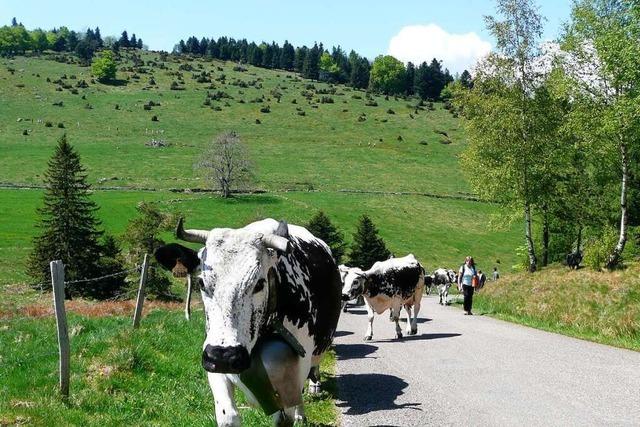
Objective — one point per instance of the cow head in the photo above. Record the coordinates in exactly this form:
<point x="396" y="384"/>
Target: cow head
<point x="238" y="281"/>
<point x="353" y="284"/>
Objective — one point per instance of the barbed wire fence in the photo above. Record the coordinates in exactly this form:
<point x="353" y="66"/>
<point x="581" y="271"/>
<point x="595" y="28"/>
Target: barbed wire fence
<point x="58" y="285"/>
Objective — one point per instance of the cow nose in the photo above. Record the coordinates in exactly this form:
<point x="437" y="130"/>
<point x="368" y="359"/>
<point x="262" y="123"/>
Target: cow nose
<point x="345" y="297"/>
<point x="231" y="360"/>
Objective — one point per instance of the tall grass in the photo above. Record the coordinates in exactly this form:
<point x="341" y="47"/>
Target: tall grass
<point x="121" y="376"/>
<point x="597" y="306"/>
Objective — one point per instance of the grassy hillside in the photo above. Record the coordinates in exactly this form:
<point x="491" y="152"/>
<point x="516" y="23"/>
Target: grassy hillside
<point x="328" y="148"/>
<point x="305" y="162"/>
<point x="598" y="306"/>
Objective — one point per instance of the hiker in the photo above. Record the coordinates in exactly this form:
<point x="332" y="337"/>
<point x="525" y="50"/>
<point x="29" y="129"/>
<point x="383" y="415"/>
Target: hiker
<point x="496" y="275"/>
<point x="467" y="275"/>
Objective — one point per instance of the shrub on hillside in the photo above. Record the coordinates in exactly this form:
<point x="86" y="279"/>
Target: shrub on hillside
<point x="597" y="249"/>
<point x="104" y="66"/>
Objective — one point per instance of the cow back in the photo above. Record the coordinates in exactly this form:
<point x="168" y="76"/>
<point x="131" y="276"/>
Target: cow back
<point x="394" y="277"/>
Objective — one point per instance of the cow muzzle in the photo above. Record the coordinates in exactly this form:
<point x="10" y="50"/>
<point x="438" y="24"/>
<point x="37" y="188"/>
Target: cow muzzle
<point x="346" y="297"/>
<point x="225" y="360"/>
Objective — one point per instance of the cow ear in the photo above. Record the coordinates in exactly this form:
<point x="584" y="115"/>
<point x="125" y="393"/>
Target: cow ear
<point x="283" y="229"/>
<point x="177" y="258"/>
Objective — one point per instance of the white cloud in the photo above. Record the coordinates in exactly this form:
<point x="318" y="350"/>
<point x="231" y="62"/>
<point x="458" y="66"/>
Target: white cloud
<point x="419" y="43"/>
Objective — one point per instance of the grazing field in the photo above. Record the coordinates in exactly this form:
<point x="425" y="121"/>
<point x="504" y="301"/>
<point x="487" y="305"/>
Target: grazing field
<point x="438" y="231"/>
<point x="597" y="306"/>
<point x="151" y="376"/>
<point x="339" y="144"/>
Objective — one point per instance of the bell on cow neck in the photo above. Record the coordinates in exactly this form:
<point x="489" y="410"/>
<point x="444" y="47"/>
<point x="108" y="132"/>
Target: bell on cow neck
<point x="272" y="375"/>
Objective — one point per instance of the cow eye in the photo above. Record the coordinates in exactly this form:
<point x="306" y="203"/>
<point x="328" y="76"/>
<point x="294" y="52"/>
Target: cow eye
<point x="259" y="286"/>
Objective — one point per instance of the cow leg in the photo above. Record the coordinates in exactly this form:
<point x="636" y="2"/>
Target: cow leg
<point x="396" y="318"/>
<point x="409" y="329"/>
<point x="370" y="313"/>
<point x="446" y="295"/>
<point x="414" y="321"/>
<point x="222" y="389"/>
<point x="314" y="380"/>
<point x="283" y="418"/>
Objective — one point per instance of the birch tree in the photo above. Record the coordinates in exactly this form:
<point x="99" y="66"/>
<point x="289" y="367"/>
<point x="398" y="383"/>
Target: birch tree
<point x="603" y="64"/>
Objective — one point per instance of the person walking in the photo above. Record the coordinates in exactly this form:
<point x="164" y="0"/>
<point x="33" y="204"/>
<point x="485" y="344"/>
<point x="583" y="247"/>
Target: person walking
<point x="466" y="276"/>
<point x="496" y="275"/>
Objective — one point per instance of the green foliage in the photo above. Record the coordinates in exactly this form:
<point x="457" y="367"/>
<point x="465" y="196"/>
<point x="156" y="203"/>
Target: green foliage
<point x="597" y="249"/>
<point x="387" y="75"/>
<point x="104" y="66"/>
<point x="142" y="236"/>
<point x="320" y="226"/>
<point x="69" y="228"/>
<point x="367" y="247"/>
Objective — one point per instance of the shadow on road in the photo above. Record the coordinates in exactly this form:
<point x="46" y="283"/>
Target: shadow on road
<point x="420" y="320"/>
<point x="356" y="393"/>
<point x="342" y="333"/>
<point x="418" y="337"/>
<point x="354" y="351"/>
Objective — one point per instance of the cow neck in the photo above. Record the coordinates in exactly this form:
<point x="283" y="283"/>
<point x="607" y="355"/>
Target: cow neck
<point x="274" y="325"/>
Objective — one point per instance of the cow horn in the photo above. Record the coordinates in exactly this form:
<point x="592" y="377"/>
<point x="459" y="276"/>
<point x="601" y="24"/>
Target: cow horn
<point x="194" y="236"/>
<point x="276" y="242"/>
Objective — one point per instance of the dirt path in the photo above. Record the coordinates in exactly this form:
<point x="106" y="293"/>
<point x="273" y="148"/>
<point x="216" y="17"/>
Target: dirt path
<point x="475" y="370"/>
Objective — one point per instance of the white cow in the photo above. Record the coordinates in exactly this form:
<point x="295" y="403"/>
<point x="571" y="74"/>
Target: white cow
<point x="389" y="284"/>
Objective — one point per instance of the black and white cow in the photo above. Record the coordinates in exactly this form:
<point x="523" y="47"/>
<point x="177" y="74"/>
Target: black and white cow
<point x="261" y="285"/>
<point x="574" y="259"/>
<point x="389" y="284"/>
<point x="443" y="279"/>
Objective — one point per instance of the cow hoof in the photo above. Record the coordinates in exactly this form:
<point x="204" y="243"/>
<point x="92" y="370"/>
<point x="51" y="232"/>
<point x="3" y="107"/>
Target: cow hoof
<point x="368" y="337"/>
<point x="413" y="332"/>
<point x="399" y="335"/>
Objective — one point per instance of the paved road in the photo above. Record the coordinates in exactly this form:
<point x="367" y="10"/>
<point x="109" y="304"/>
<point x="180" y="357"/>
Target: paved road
<point x="475" y="370"/>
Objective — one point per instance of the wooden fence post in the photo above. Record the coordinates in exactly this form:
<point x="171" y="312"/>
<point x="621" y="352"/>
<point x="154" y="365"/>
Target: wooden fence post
<point x="140" y="300"/>
<point x="187" y="307"/>
<point x="57" y="281"/>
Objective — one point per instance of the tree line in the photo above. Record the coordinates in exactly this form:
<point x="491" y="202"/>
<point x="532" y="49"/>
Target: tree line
<point x="16" y="39"/>
<point x="554" y="137"/>
<point x="386" y="74"/>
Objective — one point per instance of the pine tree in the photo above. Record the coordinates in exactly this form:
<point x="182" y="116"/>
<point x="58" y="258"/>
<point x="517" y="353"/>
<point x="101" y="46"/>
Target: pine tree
<point x="133" y="42"/>
<point x="367" y="247"/>
<point x="320" y="226"/>
<point x="142" y="236"/>
<point x="69" y="228"/>
<point x="14" y="22"/>
<point x="124" y="39"/>
<point x="98" y="38"/>
<point x="466" y="80"/>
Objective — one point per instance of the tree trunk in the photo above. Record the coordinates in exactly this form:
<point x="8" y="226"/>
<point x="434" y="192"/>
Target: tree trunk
<point x="579" y="240"/>
<point x="533" y="262"/>
<point x="545" y="236"/>
<point x="615" y="257"/>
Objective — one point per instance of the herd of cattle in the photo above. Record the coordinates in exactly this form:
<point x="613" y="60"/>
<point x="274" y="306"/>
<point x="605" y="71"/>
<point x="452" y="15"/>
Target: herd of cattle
<point x="272" y="296"/>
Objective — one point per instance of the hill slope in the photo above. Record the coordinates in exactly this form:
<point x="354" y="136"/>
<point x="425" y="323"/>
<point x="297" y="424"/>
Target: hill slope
<point x="341" y="144"/>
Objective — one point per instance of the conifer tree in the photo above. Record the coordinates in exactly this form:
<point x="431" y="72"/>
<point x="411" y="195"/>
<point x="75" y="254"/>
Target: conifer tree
<point x="124" y="39"/>
<point x="320" y="226"/>
<point x="68" y="226"/>
<point x="367" y="247"/>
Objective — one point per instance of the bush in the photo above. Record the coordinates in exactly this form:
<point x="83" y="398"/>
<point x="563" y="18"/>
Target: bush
<point x="390" y="111"/>
<point x="326" y="100"/>
<point x="48" y="124"/>
<point x="266" y="109"/>
<point x="154" y="118"/>
<point x="104" y="66"/>
<point x="597" y="250"/>
<point x="60" y="125"/>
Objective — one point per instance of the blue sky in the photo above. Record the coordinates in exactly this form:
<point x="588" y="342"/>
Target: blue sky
<point x="365" y="26"/>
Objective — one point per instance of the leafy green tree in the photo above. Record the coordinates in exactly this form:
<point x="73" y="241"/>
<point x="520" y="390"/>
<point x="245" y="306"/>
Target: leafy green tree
<point x="503" y="159"/>
<point x="69" y="228"/>
<point x="141" y="237"/>
<point x="104" y="66"/>
<point x="40" y="42"/>
<point x="320" y="226"/>
<point x="602" y="41"/>
<point x="367" y="247"/>
<point x="329" y="70"/>
<point x="387" y="75"/>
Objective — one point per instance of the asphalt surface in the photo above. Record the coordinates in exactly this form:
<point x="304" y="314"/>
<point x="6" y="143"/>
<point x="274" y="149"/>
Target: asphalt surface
<point x="478" y="371"/>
